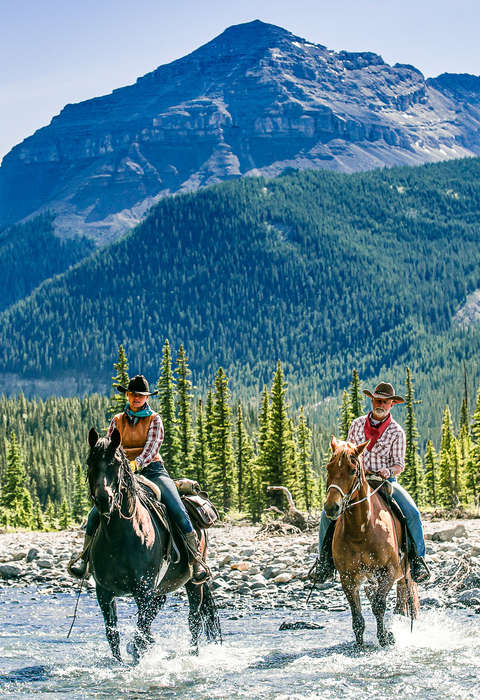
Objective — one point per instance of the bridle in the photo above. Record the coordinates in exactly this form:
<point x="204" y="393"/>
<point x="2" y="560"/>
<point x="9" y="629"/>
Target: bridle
<point x="122" y="472"/>
<point x="357" y="482"/>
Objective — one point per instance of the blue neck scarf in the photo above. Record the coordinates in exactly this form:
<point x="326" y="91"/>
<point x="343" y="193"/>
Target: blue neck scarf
<point x="142" y="413"/>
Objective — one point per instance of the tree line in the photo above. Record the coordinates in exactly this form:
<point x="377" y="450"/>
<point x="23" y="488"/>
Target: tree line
<point x="234" y="449"/>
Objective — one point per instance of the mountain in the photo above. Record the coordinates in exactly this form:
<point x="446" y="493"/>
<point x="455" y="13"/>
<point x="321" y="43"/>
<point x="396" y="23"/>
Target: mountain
<point x="325" y="271"/>
<point x="255" y="100"/>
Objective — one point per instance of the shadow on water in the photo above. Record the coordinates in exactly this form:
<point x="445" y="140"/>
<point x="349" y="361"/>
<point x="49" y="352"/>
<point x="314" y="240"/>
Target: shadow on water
<point x="279" y="659"/>
<point x="28" y="674"/>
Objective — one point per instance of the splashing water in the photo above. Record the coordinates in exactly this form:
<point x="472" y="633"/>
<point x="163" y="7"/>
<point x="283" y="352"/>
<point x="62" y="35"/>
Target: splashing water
<point x="440" y="659"/>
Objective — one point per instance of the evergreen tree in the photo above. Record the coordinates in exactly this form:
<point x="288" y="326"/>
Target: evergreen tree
<point x="431" y="465"/>
<point x="50" y="519"/>
<point x="464" y="409"/>
<point x="221" y="477"/>
<point x="278" y="450"/>
<point x="117" y="399"/>
<point x="210" y="419"/>
<point x="201" y="453"/>
<point x="262" y="438"/>
<point x="15" y="497"/>
<point x="80" y="504"/>
<point x="64" y="516"/>
<point x="445" y="494"/>
<point x="304" y="451"/>
<point x="346" y="416"/>
<point x="166" y="389"/>
<point x="473" y="466"/>
<point x="411" y="476"/>
<point x="184" y="408"/>
<point x="243" y="459"/>
<point x="38" y="520"/>
<point x="357" y="402"/>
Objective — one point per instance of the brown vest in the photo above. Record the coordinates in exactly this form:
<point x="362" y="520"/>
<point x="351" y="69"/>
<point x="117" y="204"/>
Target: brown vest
<point x="134" y="437"/>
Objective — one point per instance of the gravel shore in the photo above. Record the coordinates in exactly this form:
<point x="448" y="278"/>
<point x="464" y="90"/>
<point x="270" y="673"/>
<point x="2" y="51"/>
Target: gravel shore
<point x="260" y="572"/>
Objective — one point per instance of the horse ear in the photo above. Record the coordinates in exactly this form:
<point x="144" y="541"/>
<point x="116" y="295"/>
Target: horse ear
<point x="92" y="437"/>
<point x="333" y="444"/>
<point x="115" y="439"/>
<point x="359" y="448"/>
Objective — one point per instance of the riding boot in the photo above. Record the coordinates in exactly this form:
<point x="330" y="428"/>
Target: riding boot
<point x="418" y="566"/>
<point x="78" y="565"/>
<point x="323" y="568"/>
<point x="200" y="570"/>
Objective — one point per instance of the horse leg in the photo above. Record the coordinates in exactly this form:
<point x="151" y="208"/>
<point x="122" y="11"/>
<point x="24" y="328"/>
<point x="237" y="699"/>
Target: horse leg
<point x="203" y="615"/>
<point x="378" y="600"/>
<point x="109" y="610"/>
<point x="352" y="592"/>
<point x="148" y="605"/>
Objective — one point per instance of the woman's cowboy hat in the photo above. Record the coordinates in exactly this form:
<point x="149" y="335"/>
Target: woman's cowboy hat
<point x="384" y="391"/>
<point x="137" y="385"/>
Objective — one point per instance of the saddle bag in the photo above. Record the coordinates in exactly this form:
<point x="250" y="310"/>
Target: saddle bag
<point x="201" y="510"/>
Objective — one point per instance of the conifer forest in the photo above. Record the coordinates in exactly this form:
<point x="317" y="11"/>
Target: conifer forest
<point x="233" y="448"/>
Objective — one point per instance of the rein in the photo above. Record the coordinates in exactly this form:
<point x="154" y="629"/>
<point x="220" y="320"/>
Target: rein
<point x="119" y="492"/>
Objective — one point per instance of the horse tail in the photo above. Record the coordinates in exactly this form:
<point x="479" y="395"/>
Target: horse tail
<point x="203" y="615"/>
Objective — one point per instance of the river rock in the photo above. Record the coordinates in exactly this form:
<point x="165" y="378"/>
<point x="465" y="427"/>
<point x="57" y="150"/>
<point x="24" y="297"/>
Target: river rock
<point x="471" y="597"/>
<point x="8" y="571"/>
<point x="44" y="563"/>
<point x="32" y="554"/>
<point x="449" y="533"/>
<point x="225" y="560"/>
<point x="240" y="566"/>
<point x="284" y="577"/>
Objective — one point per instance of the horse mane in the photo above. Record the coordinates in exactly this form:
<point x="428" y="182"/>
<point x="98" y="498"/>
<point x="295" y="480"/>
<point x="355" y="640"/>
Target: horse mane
<point x="126" y="477"/>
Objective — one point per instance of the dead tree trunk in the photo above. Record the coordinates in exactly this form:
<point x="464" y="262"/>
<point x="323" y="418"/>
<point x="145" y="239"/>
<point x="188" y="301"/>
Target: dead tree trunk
<point x="293" y="516"/>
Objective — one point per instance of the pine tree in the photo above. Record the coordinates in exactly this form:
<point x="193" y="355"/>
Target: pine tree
<point x="184" y="408"/>
<point x="210" y="419"/>
<point x="357" y="402"/>
<point x="64" y="515"/>
<point x="201" y="453"/>
<point x="262" y="438"/>
<point x="464" y="408"/>
<point x="221" y="477"/>
<point x="254" y="498"/>
<point x="117" y="400"/>
<point x="278" y="451"/>
<point x="305" y="471"/>
<point x="80" y="500"/>
<point x="50" y="519"/>
<point x="16" y="500"/>
<point x="445" y="493"/>
<point x="243" y="459"/>
<point x="166" y="389"/>
<point x="411" y="476"/>
<point x="346" y="416"/>
<point x="473" y="464"/>
<point x="431" y="465"/>
<point x="38" y="520"/>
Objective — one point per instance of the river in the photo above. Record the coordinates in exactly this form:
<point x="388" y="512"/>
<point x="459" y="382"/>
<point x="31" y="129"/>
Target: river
<point x="440" y="659"/>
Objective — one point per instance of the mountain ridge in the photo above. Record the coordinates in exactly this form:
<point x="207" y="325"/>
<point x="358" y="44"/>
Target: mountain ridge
<point x="253" y="101"/>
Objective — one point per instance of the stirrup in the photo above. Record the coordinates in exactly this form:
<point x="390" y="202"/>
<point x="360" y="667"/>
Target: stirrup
<point x="321" y="570"/>
<point x="78" y="570"/>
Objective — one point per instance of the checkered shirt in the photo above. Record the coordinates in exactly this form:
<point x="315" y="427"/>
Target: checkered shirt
<point x="388" y="451"/>
<point x="152" y="444"/>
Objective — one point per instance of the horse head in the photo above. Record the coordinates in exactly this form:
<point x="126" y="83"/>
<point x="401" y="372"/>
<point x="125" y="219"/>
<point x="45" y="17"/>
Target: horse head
<point x="345" y="473"/>
<point x="105" y="461"/>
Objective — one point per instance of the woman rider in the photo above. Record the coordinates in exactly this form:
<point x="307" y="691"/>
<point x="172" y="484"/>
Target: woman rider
<point x="141" y="433"/>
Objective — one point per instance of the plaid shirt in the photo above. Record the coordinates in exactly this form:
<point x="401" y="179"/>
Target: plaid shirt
<point x="389" y="450"/>
<point x="152" y="444"/>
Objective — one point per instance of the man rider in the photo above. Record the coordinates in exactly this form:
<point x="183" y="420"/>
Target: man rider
<point x="385" y="456"/>
<point x="141" y="434"/>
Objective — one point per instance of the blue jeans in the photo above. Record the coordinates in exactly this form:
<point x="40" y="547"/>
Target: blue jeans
<point x="156" y="472"/>
<point x="409" y="509"/>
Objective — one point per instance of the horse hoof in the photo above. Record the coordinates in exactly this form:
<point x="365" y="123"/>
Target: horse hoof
<point x="133" y="651"/>
<point x="194" y="650"/>
<point x="387" y="640"/>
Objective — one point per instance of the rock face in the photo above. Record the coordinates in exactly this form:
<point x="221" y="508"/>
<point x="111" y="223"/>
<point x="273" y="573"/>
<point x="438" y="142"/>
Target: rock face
<point x="256" y="99"/>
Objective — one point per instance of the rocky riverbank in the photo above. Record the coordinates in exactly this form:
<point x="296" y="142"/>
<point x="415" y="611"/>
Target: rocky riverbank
<point x="257" y="572"/>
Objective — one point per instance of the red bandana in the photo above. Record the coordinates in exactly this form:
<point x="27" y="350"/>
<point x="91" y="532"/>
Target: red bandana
<point x="375" y="432"/>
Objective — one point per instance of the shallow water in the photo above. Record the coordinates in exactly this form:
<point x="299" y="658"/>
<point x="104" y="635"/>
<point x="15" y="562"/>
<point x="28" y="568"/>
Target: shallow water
<point x="440" y="659"/>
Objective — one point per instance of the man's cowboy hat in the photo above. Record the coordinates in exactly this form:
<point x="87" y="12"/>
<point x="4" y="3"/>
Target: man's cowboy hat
<point x="384" y="390"/>
<point x="137" y="385"/>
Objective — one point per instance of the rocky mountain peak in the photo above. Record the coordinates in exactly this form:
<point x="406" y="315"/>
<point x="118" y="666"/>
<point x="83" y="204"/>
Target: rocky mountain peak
<point x="254" y="100"/>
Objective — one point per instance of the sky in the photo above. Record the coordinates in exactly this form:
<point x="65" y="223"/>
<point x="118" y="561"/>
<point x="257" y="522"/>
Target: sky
<point x="55" y="52"/>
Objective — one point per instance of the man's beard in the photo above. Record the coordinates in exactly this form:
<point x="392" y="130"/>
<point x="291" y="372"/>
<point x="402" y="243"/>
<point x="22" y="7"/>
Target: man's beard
<point x="379" y="413"/>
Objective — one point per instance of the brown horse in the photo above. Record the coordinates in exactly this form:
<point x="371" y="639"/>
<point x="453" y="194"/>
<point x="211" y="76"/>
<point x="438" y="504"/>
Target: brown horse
<point x="366" y="544"/>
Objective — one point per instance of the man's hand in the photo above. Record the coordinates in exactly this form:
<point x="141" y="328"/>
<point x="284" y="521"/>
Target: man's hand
<point x="385" y="473"/>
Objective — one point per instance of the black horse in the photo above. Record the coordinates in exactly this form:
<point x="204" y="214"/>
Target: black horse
<point x="128" y="550"/>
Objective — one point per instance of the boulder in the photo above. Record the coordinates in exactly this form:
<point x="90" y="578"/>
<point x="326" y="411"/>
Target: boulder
<point x="44" y="563"/>
<point x="471" y="597"/>
<point x="32" y="554"/>
<point x="284" y="577"/>
<point x="449" y="533"/>
<point x="240" y="566"/>
<point x="8" y="571"/>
